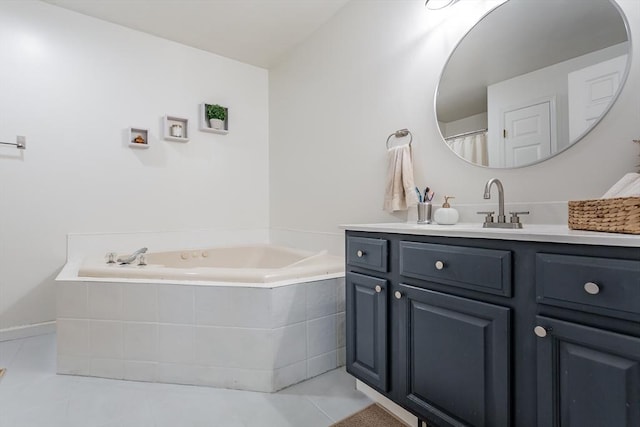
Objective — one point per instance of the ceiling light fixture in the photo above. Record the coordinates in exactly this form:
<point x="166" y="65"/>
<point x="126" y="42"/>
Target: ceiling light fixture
<point x="438" y="4"/>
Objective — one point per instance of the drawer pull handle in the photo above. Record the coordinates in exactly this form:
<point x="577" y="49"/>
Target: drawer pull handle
<point x="397" y="294"/>
<point x="592" y="288"/>
<point x="378" y="288"/>
<point x="439" y="265"/>
<point x="541" y="331"/>
<point x="360" y="254"/>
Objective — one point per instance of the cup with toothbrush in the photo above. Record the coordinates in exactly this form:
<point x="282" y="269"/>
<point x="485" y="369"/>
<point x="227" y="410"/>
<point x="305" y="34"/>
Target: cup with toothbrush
<point x="425" y="208"/>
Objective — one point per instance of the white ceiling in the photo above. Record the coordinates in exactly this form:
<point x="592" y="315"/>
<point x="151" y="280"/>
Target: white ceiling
<point x="257" y="32"/>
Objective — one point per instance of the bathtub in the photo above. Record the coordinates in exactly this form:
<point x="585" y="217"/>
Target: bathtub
<point x="256" y="317"/>
<point x="248" y="264"/>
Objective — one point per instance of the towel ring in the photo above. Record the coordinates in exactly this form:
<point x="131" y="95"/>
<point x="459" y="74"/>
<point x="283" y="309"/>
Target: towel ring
<point x="400" y="134"/>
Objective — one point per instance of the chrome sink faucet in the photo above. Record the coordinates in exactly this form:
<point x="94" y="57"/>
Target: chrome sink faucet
<point x="487" y="195"/>
<point x="502" y="219"/>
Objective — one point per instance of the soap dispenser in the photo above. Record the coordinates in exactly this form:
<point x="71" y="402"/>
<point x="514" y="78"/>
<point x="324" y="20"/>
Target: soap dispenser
<point x="446" y="215"/>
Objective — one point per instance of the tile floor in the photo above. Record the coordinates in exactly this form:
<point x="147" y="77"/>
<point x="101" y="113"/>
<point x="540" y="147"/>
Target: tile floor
<point x="32" y="395"/>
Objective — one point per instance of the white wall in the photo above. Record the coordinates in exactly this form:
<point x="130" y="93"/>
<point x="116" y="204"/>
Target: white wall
<point x="373" y="69"/>
<point x="72" y="85"/>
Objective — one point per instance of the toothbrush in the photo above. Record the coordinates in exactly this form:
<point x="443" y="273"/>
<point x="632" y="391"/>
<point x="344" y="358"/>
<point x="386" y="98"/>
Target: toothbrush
<point x="428" y="194"/>
<point x="419" y="195"/>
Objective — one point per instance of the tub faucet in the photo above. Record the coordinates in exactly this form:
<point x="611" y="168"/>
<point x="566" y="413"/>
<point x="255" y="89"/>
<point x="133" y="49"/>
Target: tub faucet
<point x="502" y="219"/>
<point x="128" y="259"/>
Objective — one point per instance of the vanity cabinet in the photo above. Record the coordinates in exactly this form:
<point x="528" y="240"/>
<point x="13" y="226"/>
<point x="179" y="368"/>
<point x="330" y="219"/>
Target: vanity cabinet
<point x="473" y="332"/>
<point x="586" y="376"/>
<point x="453" y="357"/>
<point x="367" y="320"/>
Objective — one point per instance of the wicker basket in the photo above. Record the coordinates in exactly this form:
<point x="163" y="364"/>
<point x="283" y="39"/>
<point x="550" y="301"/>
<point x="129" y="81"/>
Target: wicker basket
<point x="621" y="215"/>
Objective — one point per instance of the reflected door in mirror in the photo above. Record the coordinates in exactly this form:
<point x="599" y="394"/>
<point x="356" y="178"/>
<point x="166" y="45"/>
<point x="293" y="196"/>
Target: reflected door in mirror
<point x="527" y="134"/>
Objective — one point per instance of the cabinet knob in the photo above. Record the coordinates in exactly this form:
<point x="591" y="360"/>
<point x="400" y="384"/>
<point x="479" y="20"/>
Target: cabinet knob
<point x="397" y="294"/>
<point x="592" y="288"/>
<point x="378" y="288"/>
<point x="439" y="265"/>
<point x="360" y="253"/>
<point x="541" y="331"/>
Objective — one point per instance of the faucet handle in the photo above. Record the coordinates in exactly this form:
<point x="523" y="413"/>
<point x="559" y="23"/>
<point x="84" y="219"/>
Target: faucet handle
<point x="515" y="219"/>
<point x="111" y="257"/>
<point x="489" y="215"/>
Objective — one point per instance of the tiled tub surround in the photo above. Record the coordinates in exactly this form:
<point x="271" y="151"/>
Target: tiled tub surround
<point x="221" y="335"/>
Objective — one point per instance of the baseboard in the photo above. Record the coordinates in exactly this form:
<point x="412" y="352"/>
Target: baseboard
<point x="387" y="404"/>
<point x="27" y="331"/>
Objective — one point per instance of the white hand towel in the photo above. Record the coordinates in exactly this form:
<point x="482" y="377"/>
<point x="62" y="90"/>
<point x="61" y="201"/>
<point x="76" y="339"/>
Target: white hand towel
<point x="621" y="185"/>
<point x="400" y="189"/>
<point x="631" y="190"/>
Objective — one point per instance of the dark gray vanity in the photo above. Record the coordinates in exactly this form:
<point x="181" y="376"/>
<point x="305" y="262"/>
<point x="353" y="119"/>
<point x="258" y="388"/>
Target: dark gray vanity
<point x="497" y="329"/>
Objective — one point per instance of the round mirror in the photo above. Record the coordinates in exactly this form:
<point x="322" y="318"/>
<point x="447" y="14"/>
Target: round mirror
<point x="532" y="78"/>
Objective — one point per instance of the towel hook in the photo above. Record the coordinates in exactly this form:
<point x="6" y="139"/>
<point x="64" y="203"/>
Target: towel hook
<point x="401" y="134"/>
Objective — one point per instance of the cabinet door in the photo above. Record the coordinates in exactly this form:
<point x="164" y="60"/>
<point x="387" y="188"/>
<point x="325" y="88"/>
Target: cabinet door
<point x="454" y="357"/>
<point x="366" y="323"/>
<point x="586" y="376"/>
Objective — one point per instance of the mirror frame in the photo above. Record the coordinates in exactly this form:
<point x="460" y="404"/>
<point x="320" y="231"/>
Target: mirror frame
<point x="625" y="76"/>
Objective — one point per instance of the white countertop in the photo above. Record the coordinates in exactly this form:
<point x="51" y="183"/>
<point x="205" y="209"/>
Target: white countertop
<point x="530" y="232"/>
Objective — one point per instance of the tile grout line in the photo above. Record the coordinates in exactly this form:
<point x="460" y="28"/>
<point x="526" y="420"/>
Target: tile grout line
<point x="4" y="370"/>
<point x="320" y="409"/>
<point x="69" y="409"/>
<point x="15" y="355"/>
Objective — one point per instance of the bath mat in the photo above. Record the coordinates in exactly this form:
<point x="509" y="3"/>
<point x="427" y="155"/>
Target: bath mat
<point x="371" y="416"/>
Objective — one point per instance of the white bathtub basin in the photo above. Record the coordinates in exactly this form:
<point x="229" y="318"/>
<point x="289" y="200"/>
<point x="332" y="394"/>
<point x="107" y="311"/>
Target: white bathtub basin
<point x="248" y="264"/>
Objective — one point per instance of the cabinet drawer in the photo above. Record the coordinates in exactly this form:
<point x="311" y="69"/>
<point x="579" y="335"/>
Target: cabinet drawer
<point x="599" y="285"/>
<point x="483" y="270"/>
<point x="367" y="252"/>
